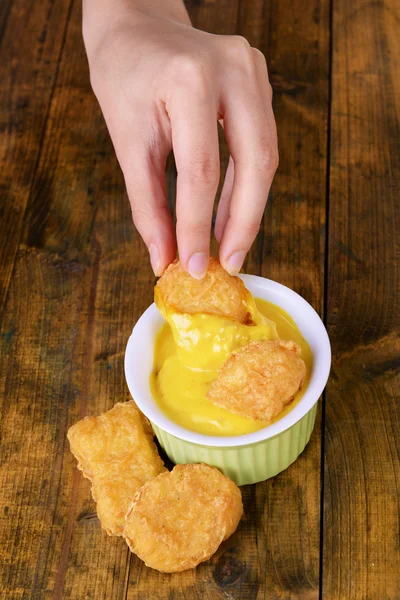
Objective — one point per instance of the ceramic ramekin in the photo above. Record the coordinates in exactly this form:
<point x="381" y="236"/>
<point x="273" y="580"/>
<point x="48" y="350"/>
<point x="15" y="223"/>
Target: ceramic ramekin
<point x="246" y="458"/>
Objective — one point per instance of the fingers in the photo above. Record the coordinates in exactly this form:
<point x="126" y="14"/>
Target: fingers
<point x="193" y="116"/>
<point x="224" y="201"/>
<point x="145" y="183"/>
<point x="251" y="136"/>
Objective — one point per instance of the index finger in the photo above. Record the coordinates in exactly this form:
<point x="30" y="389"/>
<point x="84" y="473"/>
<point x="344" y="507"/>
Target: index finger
<point x="195" y="143"/>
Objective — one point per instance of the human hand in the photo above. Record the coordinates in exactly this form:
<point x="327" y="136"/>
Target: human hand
<point x="164" y="85"/>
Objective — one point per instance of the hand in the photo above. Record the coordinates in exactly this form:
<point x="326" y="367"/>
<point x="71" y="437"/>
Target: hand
<point x="164" y="85"/>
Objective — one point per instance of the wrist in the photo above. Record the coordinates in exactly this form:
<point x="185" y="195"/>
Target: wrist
<point x="103" y="17"/>
<point x="99" y="14"/>
<point x="173" y="10"/>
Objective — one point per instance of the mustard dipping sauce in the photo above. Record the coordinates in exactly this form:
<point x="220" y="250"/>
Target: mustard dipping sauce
<point x="189" y="350"/>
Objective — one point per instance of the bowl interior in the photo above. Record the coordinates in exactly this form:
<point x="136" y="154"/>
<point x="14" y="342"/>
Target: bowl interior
<point x="140" y="352"/>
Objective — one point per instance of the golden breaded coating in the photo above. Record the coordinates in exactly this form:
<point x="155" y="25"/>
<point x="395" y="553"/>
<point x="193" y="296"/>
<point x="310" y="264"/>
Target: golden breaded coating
<point x="258" y="380"/>
<point x="218" y="293"/>
<point x="114" y="492"/>
<point x="179" y="519"/>
<point x="116" y="452"/>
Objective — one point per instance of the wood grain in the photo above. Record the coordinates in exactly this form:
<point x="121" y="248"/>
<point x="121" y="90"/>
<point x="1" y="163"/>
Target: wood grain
<point x="275" y="552"/>
<point x="75" y="276"/>
<point x="73" y="299"/>
<point x="31" y="41"/>
<point x="285" y="525"/>
<point x="229" y="572"/>
<point x="78" y="225"/>
<point x="361" y="558"/>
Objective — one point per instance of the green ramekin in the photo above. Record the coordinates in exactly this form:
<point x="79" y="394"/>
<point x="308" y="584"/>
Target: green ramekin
<point x="246" y="458"/>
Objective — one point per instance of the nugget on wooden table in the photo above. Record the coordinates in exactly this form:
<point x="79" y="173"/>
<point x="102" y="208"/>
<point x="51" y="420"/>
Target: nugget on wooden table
<point x="218" y="293"/>
<point x="117" y="453"/>
<point x="179" y="519"/>
<point x="258" y="380"/>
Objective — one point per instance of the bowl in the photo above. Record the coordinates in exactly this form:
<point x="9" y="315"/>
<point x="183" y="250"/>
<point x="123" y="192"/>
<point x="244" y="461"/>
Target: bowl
<point x="245" y="458"/>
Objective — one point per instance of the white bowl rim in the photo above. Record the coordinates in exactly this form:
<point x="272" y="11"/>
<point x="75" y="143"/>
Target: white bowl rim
<point x="143" y="397"/>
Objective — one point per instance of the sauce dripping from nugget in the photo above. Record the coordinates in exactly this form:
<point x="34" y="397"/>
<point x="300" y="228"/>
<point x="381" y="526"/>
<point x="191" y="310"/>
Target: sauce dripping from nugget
<point x="191" y="349"/>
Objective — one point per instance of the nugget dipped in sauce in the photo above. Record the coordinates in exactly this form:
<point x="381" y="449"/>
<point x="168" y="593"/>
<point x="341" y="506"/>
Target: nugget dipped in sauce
<point x="218" y="293"/>
<point x="259" y="379"/>
<point x="179" y="519"/>
<point x="116" y="452"/>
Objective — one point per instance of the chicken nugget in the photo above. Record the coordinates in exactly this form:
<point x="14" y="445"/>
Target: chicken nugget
<point x="258" y="380"/>
<point x="114" y="491"/>
<point x="218" y="293"/>
<point x="116" y="452"/>
<point x="179" y="519"/>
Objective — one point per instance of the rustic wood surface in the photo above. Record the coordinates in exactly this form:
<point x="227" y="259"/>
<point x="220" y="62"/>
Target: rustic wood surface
<point x="361" y="523"/>
<point x="75" y="276"/>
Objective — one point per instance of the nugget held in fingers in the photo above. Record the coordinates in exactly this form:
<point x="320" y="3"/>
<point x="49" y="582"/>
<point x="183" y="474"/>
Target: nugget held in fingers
<point x="116" y="452"/>
<point x="218" y="293"/>
<point x="179" y="519"/>
<point x="258" y="380"/>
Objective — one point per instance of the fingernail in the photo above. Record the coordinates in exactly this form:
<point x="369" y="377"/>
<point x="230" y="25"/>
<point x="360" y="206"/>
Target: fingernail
<point x="235" y="262"/>
<point x="154" y="259"/>
<point x="197" y="265"/>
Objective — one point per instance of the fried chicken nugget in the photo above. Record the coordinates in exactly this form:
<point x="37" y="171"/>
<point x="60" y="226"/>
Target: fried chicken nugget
<point x="116" y="452"/>
<point x="258" y="380"/>
<point x="218" y="293"/>
<point x="179" y="519"/>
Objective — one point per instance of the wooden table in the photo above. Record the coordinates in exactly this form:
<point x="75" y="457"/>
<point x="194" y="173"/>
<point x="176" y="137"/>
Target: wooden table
<point x="75" y="277"/>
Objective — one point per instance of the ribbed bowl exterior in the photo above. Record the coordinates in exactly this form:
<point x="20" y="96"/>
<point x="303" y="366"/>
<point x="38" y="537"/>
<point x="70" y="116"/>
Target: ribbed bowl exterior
<point x="245" y="464"/>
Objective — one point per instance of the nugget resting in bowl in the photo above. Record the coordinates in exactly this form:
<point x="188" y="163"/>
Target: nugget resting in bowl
<point x="258" y="380"/>
<point x="179" y="519"/>
<point x="116" y="452"/>
<point x="218" y="293"/>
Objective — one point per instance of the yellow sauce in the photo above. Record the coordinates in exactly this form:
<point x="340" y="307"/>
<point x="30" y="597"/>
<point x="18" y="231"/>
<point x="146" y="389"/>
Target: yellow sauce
<point x="189" y="350"/>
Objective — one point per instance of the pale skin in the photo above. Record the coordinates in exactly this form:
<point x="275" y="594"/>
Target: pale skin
<point x="163" y="85"/>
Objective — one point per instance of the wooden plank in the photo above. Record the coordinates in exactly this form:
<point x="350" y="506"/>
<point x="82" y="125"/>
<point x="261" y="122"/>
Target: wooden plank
<point x="80" y="281"/>
<point x="31" y="40"/>
<point x="361" y="557"/>
<point x="224" y="573"/>
<point x="275" y="552"/>
<point x="74" y="297"/>
<point x="284" y="529"/>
